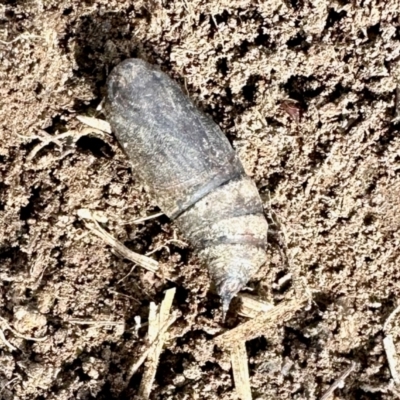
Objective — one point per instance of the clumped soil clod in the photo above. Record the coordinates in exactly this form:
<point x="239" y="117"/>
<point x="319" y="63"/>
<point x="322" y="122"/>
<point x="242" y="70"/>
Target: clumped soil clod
<point x="305" y="92"/>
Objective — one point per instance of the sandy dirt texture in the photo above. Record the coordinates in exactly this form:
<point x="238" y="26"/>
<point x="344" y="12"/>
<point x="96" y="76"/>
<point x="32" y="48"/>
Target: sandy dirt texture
<point x="306" y="93"/>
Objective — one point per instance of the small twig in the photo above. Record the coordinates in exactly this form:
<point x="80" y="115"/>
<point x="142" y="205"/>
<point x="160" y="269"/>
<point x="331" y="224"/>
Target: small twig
<point x="45" y="139"/>
<point x="339" y="381"/>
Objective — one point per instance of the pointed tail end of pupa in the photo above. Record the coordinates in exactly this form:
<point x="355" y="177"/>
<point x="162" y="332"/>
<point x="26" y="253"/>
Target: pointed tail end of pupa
<point x="227" y="290"/>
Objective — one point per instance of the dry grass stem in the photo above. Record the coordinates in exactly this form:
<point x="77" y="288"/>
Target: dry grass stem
<point x="123" y="251"/>
<point x="396" y="118"/>
<point x="389" y="347"/>
<point x="156" y="321"/>
<point x="392" y="358"/>
<point x="96" y="123"/>
<point x="241" y="370"/>
<point x="144" y="219"/>
<point x="150" y="347"/>
<point x="78" y="321"/>
<point x="250" y="306"/>
<point x="260" y="324"/>
<point x="339" y="382"/>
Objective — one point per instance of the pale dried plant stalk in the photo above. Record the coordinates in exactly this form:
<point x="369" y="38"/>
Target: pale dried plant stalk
<point x="156" y="321"/>
<point x="251" y="306"/>
<point x="390" y="349"/>
<point x="339" y="382"/>
<point x="260" y="325"/>
<point x="240" y="370"/>
<point x="96" y="123"/>
<point x="141" y="260"/>
<point x="150" y="348"/>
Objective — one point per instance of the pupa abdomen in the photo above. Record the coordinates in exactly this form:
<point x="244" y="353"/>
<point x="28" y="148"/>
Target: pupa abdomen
<point x="189" y="167"/>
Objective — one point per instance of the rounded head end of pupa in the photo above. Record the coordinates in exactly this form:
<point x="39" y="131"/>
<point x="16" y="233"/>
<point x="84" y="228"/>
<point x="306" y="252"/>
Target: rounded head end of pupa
<point x="227" y="290"/>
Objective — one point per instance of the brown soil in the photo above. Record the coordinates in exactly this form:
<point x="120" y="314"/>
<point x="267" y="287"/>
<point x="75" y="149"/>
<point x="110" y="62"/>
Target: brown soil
<point x="305" y="92"/>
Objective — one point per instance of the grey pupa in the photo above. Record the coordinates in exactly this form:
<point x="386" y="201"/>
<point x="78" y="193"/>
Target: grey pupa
<point x="188" y="166"/>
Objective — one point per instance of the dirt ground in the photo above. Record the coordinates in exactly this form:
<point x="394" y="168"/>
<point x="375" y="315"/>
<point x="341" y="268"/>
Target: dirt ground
<point x="306" y="93"/>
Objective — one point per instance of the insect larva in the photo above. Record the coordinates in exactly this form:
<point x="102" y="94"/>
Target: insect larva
<point x="189" y="167"/>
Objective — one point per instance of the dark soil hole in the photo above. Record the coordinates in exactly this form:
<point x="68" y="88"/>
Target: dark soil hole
<point x="57" y="125"/>
<point x="274" y="180"/>
<point x="284" y="286"/>
<point x="337" y="92"/>
<point x="39" y="88"/>
<point x="86" y="107"/>
<point x="273" y="122"/>
<point x="181" y="295"/>
<point x="28" y="211"/>
<point x="296" y="4"/>
<point x="369" y="219"/>
<point x="212" y="303"/>
<point x="256" y="345"/>
<point x="302" y="88"/>
<point x="243" y="48"/>
<point x="289" y="342"/>
<point x="103" y="41"/>
<point x="323" y="300"/>
<point x="96" y="146"/>
<point x="373" y="32"/>
<point x="385" y="140"/>
<point x="68" y="11"/>
<point x="222" y="17"/>
<point x="170" y="365"/>
<point x="333" y="17"/>
<point x="3" y="192"/>
<point x="313" y="267"/>
<point x="222" y="66"/>
<point x="262" y="39"/>
<point x="298" y="42"/>
<point x="250" y="89"/>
